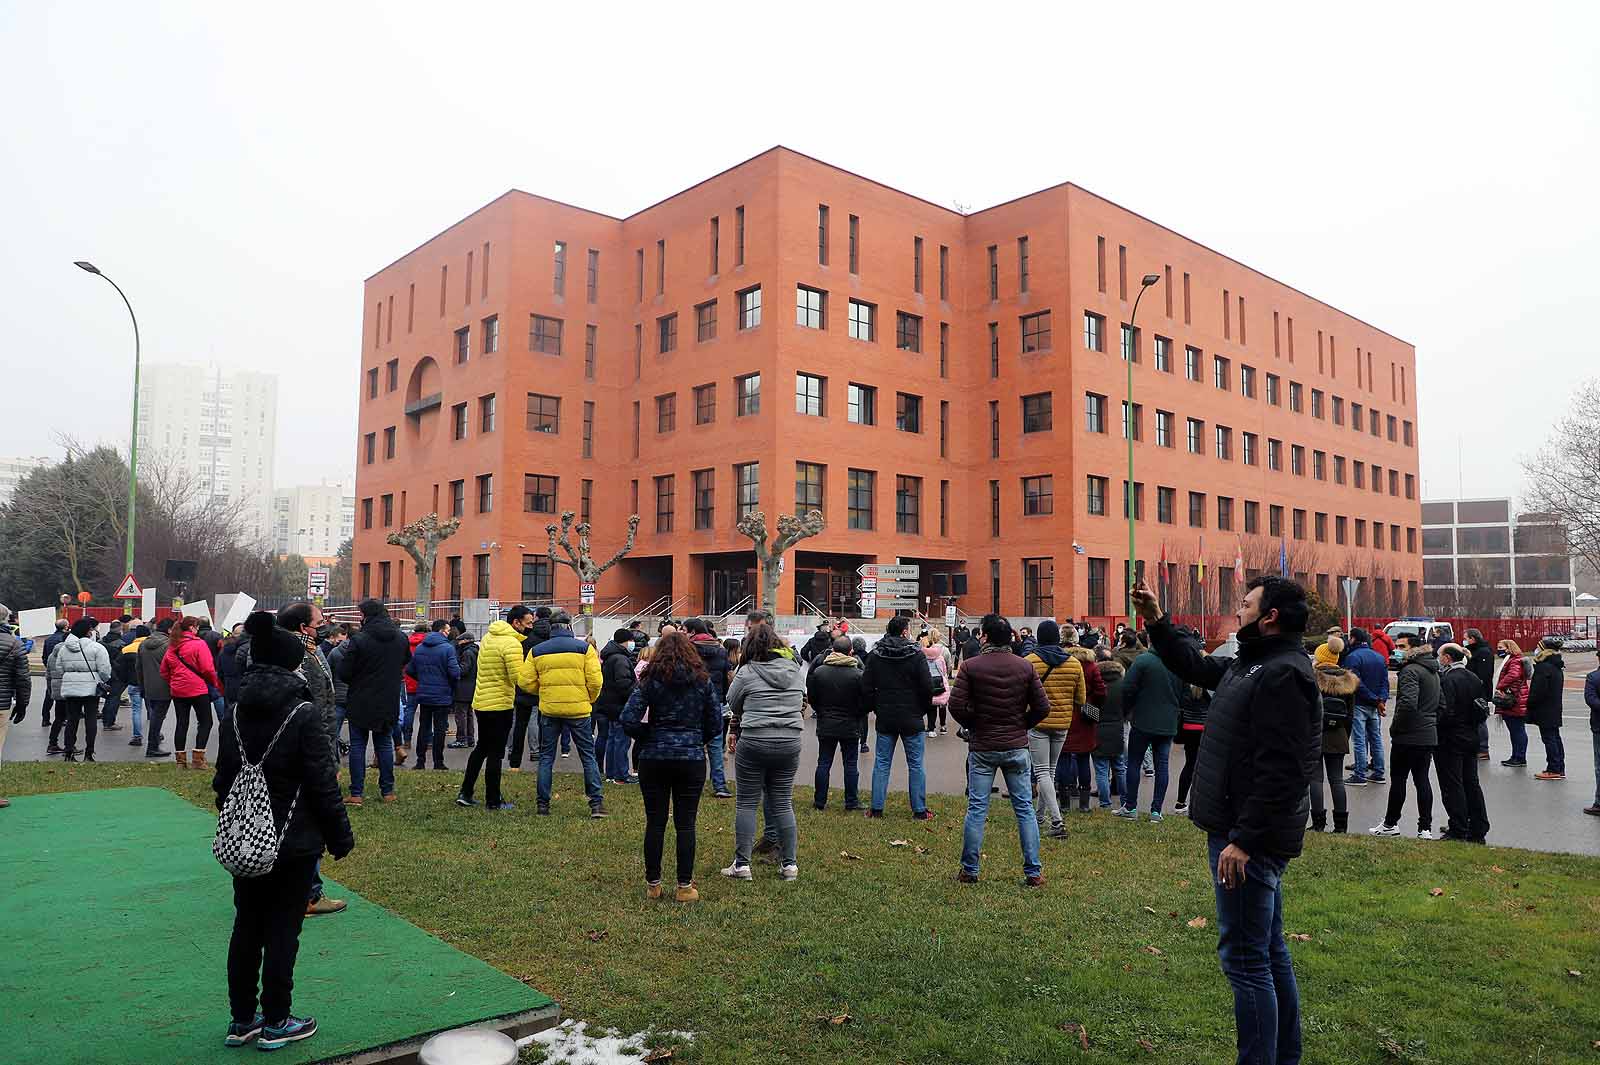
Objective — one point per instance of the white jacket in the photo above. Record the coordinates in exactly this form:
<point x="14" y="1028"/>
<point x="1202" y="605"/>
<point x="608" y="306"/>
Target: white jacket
<point x="76" y="666"/>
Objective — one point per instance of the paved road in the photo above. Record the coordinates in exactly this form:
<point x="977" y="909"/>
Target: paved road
<point x="1524" y="812"/>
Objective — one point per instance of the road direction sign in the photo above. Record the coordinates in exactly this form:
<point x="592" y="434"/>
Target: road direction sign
<point x="316" y="583"/>
<point x="898" y="604"/>
<point x="887" y="572"/>
<point x="128" y="589"/>
<point x="586" y="593"/>
<point x="950" y="616"/>
<point x="869" y="606"/>
<point x="902" y="589"/>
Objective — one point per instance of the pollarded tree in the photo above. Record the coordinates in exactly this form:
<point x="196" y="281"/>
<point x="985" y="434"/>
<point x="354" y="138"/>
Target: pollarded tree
<point x="791" y="530"/>
<point x="580" y="561"/>
<point x="421" y="540"/>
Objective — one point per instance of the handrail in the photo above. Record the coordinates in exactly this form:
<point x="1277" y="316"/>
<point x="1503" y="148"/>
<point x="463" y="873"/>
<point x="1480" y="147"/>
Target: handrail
<point x="807" y="606"/>
<point x="672" y="607"/>
<point x="737" y="608"/>
<point x="649" y="610"/>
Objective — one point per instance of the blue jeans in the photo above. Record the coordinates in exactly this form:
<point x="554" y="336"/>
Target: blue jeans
<point x="716" y="750"/>
<point x="550" y="730"/>
<point x="1266" y="1000"/>
<point x="402" y="724"/>
<point x="1518" y="728"/>
<point x="617" y="745"/>
<point x="848" y="750"/>
<point x="1160" y="748"/>
<point x="917" y="782"/>
<point x="981" y="768"/>
<point x="384" y="742"/>
<point x="220" y="705"/>
<point x="136" y="710"/>
<point x="1555" y="752"/>
<point x="1105" y="773"/>
<point x="600" y="728"/>
<point x="338" y="723"/>
<point x="1366" y="741"/>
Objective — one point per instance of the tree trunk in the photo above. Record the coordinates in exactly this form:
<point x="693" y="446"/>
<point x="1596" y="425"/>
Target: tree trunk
<point x="771" y="575"/>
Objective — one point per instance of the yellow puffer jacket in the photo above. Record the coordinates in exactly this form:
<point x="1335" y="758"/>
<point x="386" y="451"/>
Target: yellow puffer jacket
<point x="564" y="672"/>
<point x="499" y="659"/>
<point x="1065" y="688"/>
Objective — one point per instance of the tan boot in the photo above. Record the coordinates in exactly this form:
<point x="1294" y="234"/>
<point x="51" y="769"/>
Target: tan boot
<point x="182" y="758"/>
<point x="687" y="893"/>
<point x="197" y="760"/>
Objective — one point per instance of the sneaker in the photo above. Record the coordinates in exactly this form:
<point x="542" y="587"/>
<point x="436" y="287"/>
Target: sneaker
<point x="1155" y="816"/>
<point x="324" y="905"/>
<point x="157" y="753"/>
<point x="1353" y="781"/>
<point x="1037" y="880"/>
<point x="504" y="805"/>
<point x="543" y="810"/>
<point x="722" y="793"/>
<point x="874" y="813"/>
<point x="566" y="754"/>
<point x="1058" y="832"/>
<point x="240" y="1034"/>
<point x="1385" y="830"/>
<point x="964" y="877"/>
<point x="738" y="872"/>
<point x="1547" y="775"/>
<point x="598" y="812"/>
<point x="686" y="893"/>
<point x="1515" y="763"/>
<point x="1426" y="833"/>
<point x="1127" y="814"/>
<point x="944" y="732"/>
<point x="1149" y="772"/>
<point x="463" y="800"/>
<point x="926" y="815"/>
<point x="294" y="1029"/>
<point x="137" y="741"/>
<point x="55" y="748"/>
<point x="110" y="728"/>
<point x="456" y="745"/>
<point x="790" y="871"/>
<point x="1376" y="778"/>
<point x="1181" y="808"/>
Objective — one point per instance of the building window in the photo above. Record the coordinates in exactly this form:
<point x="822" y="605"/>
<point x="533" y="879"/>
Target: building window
<point x="535" y="577"/>
<point x="1319" y="465"/>
<point x="638" y="270"/>
<point x="1250" y="449"/>
<point x="1038" y="495"/>
<point x="1197" y="510"/>
<point x="485" y="493"/>
<point x="389" y="442"/>
<point x="1225" y="513"/>
<point x="1038" y="587"/>
<point x="944" y="272"/>
<point x="705" y="321"/>
<point x="491" y="334"/>
<point x="661" y="267"/>
<point x="705" y="404"/>
<point x="994" y="508"/>
<point x="1405" y="433"/>
<point x="907" y="412"/>
<point x="370" y="444"/>
<point x="1360" y="474"/>
<point x="1094" y="412"/>
<point x="810" y="305"/>
<point x="590" y="337"/>
<point x="994" y="271"/>
<point x="994" y="349"/>
<point x="944" y="428"/>
<point x="1022" y="264"/>
<point x="1036" y="413"/>
<point x="944" y="349"/>
<point x="559" y="274"/>
<point x="908" y="505"/>
<point x="944" y="508"/>
<point x="1196" y="435"/>
<point x="747" y="482"/>
<point x="1166" y="502"/>
<point x="1298" y="524"/>
<point x="1355" y="417"/>
<point x="810" y="394"/>
<point x="907" y="331"/>
<point x="366" y="513"/>
<point x="372" y="383"/>
<point x="749" y="307"/>
<point x="1036" y="332"/>
<point x="1247" y="382"/>
<point x="994" y="428"/>
<point x="1411" y="486"/>
<point x="705" y="498"/>
<point x="1097" y="495"/>
<point x="1163" y="354"/>
<point x="1338" y="410"/>
<point x="738" y="235"/>
<point x="667" y="333"/>
<point x="1274" y="521"/>
<point x="822" y="234"/>
<point x="1191" y="363"/>
<point x="383" y="580"/>
<point x="544" y="413"/>
<point x="1252" y="516"/>
<point x="1297" y="460"/>
<point x="1224" y="443"/>
<point x="458" y="499"/>
<point x="538" y="494"/>
<point x="594" y="275"/>
<point x="1338" y="469"/>
<point x="1320" y="527"/>
<point x="1220" y="372"/>
<point x="1138" y="500"/>
<point x="1273" y="396"/>
<point x="808" y="487"/>
<point x="480" y="568"/>
<point x="544" y="334"/>
<point x="452" y="567"/>
<point x="747" y="395"/>
<point x="1099" y="572"/>
<point x="994" y="585"/>
<point x="667" y="412"/>
<point x="859" y="498"/>
<point x="1295" y="396"/>
<point x="1316" y="404"/>
<point x="1130" y="343"/>
<point x="664" y="503"/>
<point x="916" y="265"/>
<point x="393" y="374"/>
<point x="486" y="414"/>
<point x="588" y="429"/>
<point x="1094" y="332"/>
<point x="1275" y="455"/>
<point x="863" y="321"/>
<point x="861" y="404"/>
<point x="1132" y="421"/>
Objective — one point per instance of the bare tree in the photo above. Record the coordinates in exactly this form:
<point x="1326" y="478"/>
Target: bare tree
<point x="421" y="539"/>
<point x="580" y="561"/>
<point x="1564" y="478"/>
<point x="791" y="530"/>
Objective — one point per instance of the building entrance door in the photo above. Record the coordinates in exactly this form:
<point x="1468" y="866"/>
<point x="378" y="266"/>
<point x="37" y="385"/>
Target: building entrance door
<point x="724" y="588"/>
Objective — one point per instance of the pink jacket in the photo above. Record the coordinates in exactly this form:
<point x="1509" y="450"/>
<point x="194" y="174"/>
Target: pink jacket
<point x="935" y="657"/>
<point x="188" y="669"/>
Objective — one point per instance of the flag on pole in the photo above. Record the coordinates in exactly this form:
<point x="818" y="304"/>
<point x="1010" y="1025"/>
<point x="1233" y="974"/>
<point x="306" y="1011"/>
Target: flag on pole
<point x="1238" y="560"/>
<point x="1202" y="561"/>
<point x="1161" y="576"/>
<point x="1077" y="548"/>
<point x="1283" y="557"/>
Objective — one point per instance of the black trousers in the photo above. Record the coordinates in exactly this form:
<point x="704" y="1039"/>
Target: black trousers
<point x="1461" y="793"/>
<point x="1190" y="739"/>
<point x="435" y="723"/>
<point x="1330" y="770"/>
<point x="200" y="706"/>
<point x="681" y="783"/>
<point x="1408" y="760"/>
<point x="86" y="710"/>
<point x="155" y="716"/>
<point x="493" y="727"/>
<point x="267" y="914"/>
<point x="517" y="722"/>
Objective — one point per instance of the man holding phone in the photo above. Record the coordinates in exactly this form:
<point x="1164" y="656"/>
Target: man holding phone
<point x="1258" y="754"/>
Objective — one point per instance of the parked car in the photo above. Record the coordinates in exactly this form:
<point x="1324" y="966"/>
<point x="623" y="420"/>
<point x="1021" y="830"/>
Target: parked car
<point x="1424" y="629"/>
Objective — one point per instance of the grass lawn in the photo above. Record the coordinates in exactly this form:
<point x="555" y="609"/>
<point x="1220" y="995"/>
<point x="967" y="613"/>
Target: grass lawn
<point x="928" y="970"/>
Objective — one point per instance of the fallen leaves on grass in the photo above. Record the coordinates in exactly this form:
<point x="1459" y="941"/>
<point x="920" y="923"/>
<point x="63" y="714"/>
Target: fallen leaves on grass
<point x="1147" y="1045"/>
<point x="899" y="843"/>
<point x="835" y="1020"/>
<point x="657" y="1054"/>
<point x="1495" y="869"/>
<point x="1157" y="951"/>
<point x="847" y="856"/>
<point x="1183" y="884"/>
<point x="1300" y="937"/>
<point x="1436" y="892"/>
<point x="1199" y="922"/>
<point x="596" y="935"/>
<point x="922" y="850"/>
<point x="1151" y="910"/>
<point x="1079" y="1030"/>
<point x="1574" y="973"/>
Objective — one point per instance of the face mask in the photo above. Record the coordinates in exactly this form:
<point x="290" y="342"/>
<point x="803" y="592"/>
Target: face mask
<point x="1249" y="632"/>
<point x="628" y="646"/>
<point x="1500" y="654"/>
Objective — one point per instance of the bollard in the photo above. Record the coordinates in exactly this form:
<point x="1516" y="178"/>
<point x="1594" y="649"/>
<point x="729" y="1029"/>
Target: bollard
<point x="469" y="1046"/>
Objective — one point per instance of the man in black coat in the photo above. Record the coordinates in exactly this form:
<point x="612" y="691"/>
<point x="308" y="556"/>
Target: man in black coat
<point x="524" y="706"/>
<point x="51" y="642"/>
<point x="1251" y="795"/>
<point x="715" y="656"/>
<point x="373" y="669"/>
<point x="1457" y="756"/>
<point x="1480" y="663"/>
<point x="617" y="683"/>
<point x="819" y="645"/>
<point x="897" y="687"/>
<point x="833" y="687"/>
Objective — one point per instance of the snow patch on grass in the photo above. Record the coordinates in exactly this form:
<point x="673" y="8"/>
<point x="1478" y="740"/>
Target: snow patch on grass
<point x="569" y="1043"/>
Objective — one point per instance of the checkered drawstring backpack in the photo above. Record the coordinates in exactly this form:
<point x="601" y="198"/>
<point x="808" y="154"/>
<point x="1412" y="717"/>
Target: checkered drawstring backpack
<point x="247" y="839"/>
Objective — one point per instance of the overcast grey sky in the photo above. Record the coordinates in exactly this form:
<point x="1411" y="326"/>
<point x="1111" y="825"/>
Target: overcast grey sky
<point x="240" y="169"/>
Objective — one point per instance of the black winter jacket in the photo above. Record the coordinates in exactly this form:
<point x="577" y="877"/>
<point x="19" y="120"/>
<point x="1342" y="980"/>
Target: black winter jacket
<point x="834" y="689"/>
<point x="373" y="669"/>
<point x="467" y="652"/>
<point x="301" y="761"/>
<point x="16" y="681"/>
<point x="715" y="656"/>
<point x="230" y="670"/>
<point x="1108" y="730"/>
<point x="1416" y="701"/>
<point x="536" y="635"/>
<point x="1459" y="691"/>
<point x="897" y="687"/>
<point x="1544" y="691"/>
<point x="1480" y="662"/>
<point x="818" y="647"/>
<point x="1262" y="742"/>
<point x="616" y="673"/>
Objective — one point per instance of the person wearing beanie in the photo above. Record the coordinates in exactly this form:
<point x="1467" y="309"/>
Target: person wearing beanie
<point x="77" y="667"/>
<point x="1329" y="651"/>
<point x="1065" y="689"/>
<point x="16" y="685"/>
<point x="1544" y="706"/>
<point x="371" y="670"/>
<point x="157" y="695"/>
<point x="1462" y="708"/>
<point x="276" y="725"/>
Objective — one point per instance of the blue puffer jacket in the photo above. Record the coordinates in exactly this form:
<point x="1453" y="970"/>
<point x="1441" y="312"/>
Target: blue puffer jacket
<point x="673" y="720"/>
<point x="436" y="668"/>
<point x="1371" y="670"/>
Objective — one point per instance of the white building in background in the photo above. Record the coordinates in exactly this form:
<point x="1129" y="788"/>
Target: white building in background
<point x="221" y="426"/>
<point x="1480" y="555"/>
<point x="312" y="520"/>
<point x="13" y="471"/>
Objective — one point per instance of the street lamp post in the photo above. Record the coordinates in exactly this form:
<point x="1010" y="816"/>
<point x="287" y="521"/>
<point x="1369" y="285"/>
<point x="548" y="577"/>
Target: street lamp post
<point x="133" y="442"/>
<point x="1130" y="496"/>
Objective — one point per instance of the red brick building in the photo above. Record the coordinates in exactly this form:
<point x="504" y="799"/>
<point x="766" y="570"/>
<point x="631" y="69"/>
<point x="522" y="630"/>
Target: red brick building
<point x="946" y="388"/>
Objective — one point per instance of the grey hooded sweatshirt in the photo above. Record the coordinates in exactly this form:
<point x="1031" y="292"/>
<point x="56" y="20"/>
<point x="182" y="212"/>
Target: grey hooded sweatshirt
<point x="767" y="696"/>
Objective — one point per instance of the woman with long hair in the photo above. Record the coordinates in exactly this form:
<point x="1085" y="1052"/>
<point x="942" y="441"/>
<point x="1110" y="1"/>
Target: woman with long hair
<point x="939" y="666"/>
<point x="1511" y="700"/>
<point x="190" y="672"/>
<point x="767" y="697"/>
<point x="671" y="715"/>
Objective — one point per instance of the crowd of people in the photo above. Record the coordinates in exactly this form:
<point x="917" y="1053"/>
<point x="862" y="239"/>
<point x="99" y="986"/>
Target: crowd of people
<point x="1067" y="717"/>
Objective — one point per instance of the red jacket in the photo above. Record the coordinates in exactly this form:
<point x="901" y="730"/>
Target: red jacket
<point x="415" y="640"/>
<point x="1514" y="679"/>
<point x="188" y="669"/>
